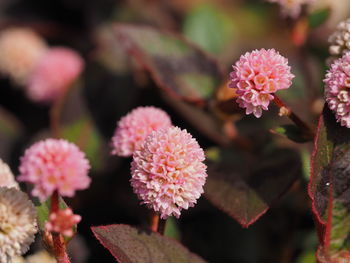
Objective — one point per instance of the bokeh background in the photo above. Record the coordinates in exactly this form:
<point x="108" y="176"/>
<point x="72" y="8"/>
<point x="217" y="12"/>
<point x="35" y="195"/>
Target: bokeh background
<point x="112" y="84"/>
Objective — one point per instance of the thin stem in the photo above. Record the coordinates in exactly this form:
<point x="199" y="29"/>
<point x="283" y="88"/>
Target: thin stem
<point x="154" y="221"/>
<point x="295" y="118"/>
<point x="59" y="245"/>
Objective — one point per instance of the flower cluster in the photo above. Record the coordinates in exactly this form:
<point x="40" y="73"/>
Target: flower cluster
<point x="337" y="89"/>
<point x="256" y="76"/>
<point x="340" y="39"/>
<point x="6" y="177"/>
<point x="18" y="224"/>
<point x="58" y="68"/>
<point x="62" y="222"/>
<point x="168" y="172"/>
<point x="291" y="8"/>
<point x="20" y="49"/>
<point x="53" y="165"/>
<point x="133" y="128"/>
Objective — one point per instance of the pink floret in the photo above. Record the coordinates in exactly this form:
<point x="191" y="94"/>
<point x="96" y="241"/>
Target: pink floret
<point x="57" y="69"/>
<point x="62" y="222"/>
<point x="54" y="164"/>
<point x="132" y="129"/>
<point x="168" y="172"/>
<point x="337" y="89"/>
<point x="257" y="76"/>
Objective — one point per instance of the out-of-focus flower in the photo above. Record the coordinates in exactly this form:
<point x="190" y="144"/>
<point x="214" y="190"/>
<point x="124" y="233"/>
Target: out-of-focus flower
<point x="6" y="177"/>
<point x="57" y="69"/>
<point x="17" y="223"/>
<point x="40" y="257"/>
<point x="54" y="164"/>
<point x="20" y="50"/>
<point x="257" y="76"/>
<point x="292" y="8"/>
<point x="62" y="222"/>
<point x="133" y="128"/>
<point x="340" y="39"/>
<point x="168" y="172"/>
<point x="337" y="89"/>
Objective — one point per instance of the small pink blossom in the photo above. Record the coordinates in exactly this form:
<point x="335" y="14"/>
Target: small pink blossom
<point x="54" y="164"/>
<point x="57" y="69"/>
<point x="168" y="172"/>
<point x="257" y="76"/>
<point x="337" y="89"/>
<point x="133" y="128"/>
<point x="62" y="222"/>
<point x="292" y="8"/>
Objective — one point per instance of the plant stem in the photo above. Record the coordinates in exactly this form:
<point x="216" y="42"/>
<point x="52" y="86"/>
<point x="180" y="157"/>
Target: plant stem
<point x="161" y="226"/>
<point x="157" y="224"/>
<point x="295" y="118"/>
<point x="59" y="246"/>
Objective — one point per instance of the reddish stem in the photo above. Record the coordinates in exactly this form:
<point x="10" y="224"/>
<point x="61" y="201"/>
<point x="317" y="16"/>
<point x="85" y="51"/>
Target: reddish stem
<point x="157" y="224"/>
<point x="59" y="246"/>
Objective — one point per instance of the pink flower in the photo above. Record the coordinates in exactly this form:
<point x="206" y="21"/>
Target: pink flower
<point x="54" y="164"/>
<point x="132" y="129"/>
<point x="256" y="76"/>
<point x="168" y="172"/>
<point x="291" y="8"/>
<point x="337" y="89"/>
<point x="57" y="69"/>
<point x="62" y="222"/>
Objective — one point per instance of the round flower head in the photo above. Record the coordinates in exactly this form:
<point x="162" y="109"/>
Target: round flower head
<point x="52" y="165"/>
<point x="62" y="222"/>
<point x="340" y="39"/>
<point x="337" y="89"/>
<point x="168" y="172"/>
<point x="6" y="177"/>
<point x="133" y="128"/>
<point x="256" y="76"/>
<point x="20" y="50"/>
<point x="17" y="223"/>
<point x="57" y="69"/>
<point x="291" y="8"/>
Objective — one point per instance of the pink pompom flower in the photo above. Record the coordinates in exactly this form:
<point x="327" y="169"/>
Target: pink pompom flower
<point x="54" y="165"/>
<point x="337" y="89"/>
<point x="57" y="69"/>
<point x="133" y="128"/>
<point x="62" y="222"/>
<point x="257" y="76"/>
<point x="168" y="172"/>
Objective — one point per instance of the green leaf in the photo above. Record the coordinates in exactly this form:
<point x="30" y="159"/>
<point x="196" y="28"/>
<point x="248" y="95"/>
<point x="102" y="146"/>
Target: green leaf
<point x="128" y="244"/>
<point x="244" y="185"/>
<point x="176" y="65"/>
<point x="330" y="186"/>
<point x="318" y="17"/>
<point x="292" y="132"/>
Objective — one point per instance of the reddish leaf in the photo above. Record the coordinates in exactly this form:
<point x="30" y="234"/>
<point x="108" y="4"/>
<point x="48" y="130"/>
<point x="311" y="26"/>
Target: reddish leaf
<point x="245" y="185"/>
<point x="175" y="64"/>
<point x="128" y="244"/>
<point x="329" y="188"/>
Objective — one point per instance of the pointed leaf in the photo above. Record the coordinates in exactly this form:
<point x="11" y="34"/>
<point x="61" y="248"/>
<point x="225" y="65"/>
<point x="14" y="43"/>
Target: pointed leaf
<point x="128" y="244"/>
<point x="245" y="186"/>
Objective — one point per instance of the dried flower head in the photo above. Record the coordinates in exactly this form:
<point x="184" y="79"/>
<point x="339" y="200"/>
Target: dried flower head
<point x="62" y="222"/>
<point x="168" y="172"/>
<point x="337" y="89"/>
<point x="291" y="8"/>
<point x="6" y="177"/>
<point x="54" y="164"/>
<point x="57" y="69"/>
<point x="256" y="76"/>
<point x="17" y="223"/>
<point x="340" y="39"/>
<point x="20" y="50"/>
<point x="133" y="128"/>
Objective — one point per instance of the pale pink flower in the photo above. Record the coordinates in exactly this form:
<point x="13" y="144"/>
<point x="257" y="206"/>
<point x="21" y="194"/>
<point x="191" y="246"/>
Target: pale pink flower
<point x="168" y="172"/>
<point x="62" y="222"/>
<point x="337" y="89"/>
<point x="54" y="164"/>
<point x="57" y="69"/>
<point x="20" y="50"/>
<point x="257" y="76"/>
<point x="292" y="8"/>
<point x="133" y="128"/>
<point x="6" y="176"/>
